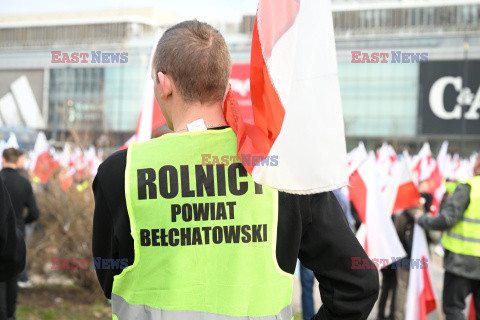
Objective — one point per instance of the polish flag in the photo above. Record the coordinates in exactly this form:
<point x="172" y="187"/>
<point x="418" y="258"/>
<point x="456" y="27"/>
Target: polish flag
<point x="420" y="295"/>
<point x="386" y="163"/>
<point x="295" y="99"/>
<point x="422" y="164"/>
<point x="436" y="180"/>
<point x="378" y="235"/>
<point x="401" y="194"/>
<point x="42" y="162"/>
<point x="356" y="157"/>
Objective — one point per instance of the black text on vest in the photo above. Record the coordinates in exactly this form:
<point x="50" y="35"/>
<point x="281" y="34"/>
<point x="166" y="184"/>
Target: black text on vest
<point x="210" y="181"/>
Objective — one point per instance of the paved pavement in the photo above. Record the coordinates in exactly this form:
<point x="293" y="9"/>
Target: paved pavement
<point x="437" y="271"/>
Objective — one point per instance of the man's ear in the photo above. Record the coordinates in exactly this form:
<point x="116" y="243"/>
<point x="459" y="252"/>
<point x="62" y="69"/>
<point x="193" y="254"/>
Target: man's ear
<point x="165" y="85"/>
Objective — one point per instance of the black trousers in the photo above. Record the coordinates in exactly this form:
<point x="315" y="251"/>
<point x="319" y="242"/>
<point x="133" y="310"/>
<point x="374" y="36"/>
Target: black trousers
<point x="8" y="298"/>
<point x="455" y="291"/>
<point x="389" y="286"/>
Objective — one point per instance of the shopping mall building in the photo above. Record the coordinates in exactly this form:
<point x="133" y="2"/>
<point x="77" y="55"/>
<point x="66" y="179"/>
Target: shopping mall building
<point x="409" y="71"/>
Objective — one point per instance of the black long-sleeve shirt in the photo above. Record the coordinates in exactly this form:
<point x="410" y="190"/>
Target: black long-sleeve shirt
<point x="21" y="194"/>
<point x="310" y="227"/>
<point x="12" y="245"/>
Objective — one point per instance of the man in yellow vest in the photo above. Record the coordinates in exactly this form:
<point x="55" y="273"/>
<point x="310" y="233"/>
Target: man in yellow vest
<point x="460" y="218"/>
<point x="201" y="238"/>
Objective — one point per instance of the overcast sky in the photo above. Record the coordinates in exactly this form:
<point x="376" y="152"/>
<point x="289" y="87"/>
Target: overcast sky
<point x="207" y="10"/>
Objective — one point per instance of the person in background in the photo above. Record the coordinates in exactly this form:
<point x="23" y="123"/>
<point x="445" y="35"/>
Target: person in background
<point x="460" y="220"/>
<point x="307" y="279"/>
<point x="23" y="278"/>
<point x="12" y="247"/>
<point x="389" y="289"/>
<point x="21" y="195"/>
<point x="346" y="207"/>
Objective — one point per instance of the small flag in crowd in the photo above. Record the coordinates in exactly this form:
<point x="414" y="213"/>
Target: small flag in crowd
<point x="401" y="193"/>
<point x="420" y="295"/>
<point x="378" y="235"/>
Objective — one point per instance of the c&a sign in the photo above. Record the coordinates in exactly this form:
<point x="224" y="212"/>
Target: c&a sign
<point x="450" y="97"/>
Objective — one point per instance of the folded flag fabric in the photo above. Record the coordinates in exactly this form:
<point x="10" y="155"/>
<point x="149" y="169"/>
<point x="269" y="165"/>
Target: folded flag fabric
<point x="297" y="141"/>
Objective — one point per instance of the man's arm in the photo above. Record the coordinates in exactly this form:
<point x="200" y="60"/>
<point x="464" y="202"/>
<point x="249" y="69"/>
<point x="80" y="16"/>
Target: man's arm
<point x="327" y="248"/>
<point x="103" y="236"/>
<point x="12" y="244"/>
<point x="33" y="212"/>
<point x="451" y="213"/>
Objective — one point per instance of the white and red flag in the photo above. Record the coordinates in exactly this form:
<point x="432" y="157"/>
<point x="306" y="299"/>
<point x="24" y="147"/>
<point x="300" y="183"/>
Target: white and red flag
<point x="421" y="294"/>
<point x="356" y="157"/>
<point x="296" y="100"/>
<point x="386" y="163"/>
<point x="436" y="180"/>
<point x="42" y="162"/>
<point x="422" y="164"/>
<point x="377" y="235"/>
<point x="401" y="193"/>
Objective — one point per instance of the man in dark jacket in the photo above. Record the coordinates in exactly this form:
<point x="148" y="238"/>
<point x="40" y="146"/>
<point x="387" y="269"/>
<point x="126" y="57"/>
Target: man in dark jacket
<point x="12" y="247"/>
<point x="22" y="197"/>
<point x="460" y="218"/>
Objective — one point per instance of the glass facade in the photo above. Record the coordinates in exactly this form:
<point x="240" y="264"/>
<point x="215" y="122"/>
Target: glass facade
<point x="95" y="99"/>
<point x="379" y="100"/>
<point x="419" y="18"/>
<point x="76" y="99"/>
<point x="123" y="92"/>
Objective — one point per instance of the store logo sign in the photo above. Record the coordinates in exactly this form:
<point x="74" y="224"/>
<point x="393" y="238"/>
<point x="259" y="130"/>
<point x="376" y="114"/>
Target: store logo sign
<point x="465" y="97"/>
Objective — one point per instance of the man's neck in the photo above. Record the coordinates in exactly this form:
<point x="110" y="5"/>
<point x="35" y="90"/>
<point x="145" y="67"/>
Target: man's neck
<point x="10" y="166"/>
<point x="212" y="115"/>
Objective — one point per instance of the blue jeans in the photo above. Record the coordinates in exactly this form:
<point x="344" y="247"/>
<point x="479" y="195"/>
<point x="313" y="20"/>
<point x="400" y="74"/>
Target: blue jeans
<point x="306" y="278"/>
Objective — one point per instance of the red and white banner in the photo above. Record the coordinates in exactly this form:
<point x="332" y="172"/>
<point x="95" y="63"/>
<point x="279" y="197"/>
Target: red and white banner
<point x="296" y="100"/>
<point x="420" y="295"/>
<point x="377" y="233"/>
